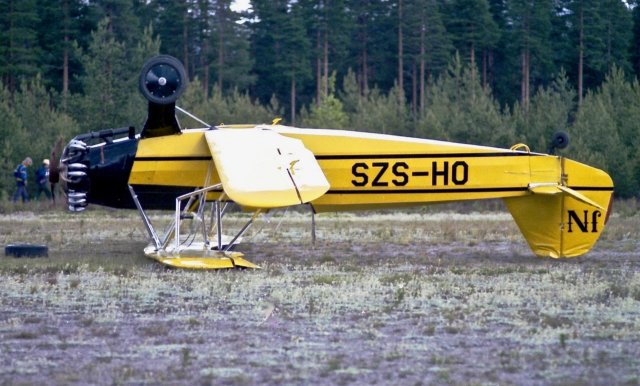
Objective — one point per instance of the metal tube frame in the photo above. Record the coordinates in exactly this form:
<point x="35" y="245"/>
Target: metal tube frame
<point x="198" y="192"/>
<point x="199" y="196"/>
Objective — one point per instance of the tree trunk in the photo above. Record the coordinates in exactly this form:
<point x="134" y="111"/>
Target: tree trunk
<point x="472" y="56"/>
<point x="318" y="69"/>
<point x="220" y="58"/>
<point x="422" y="65"/>
<point x="580" y="54"/>
<point x="325" y="77"/>
<point x="205" y="67"/>
<point x="484" y="69"/>
<point x="65" y="67"/>
<point x="293" y="99"/>
<point x="65" y="51"/>
<point x="414" y="89"/>
<point x="204" y="56"/>
<point x="185" y="42"/>
<point x="400" y="49"/>
<point x="365" y="72"/>
<point x="524" y="80"/>
<point x="527" y="83"/>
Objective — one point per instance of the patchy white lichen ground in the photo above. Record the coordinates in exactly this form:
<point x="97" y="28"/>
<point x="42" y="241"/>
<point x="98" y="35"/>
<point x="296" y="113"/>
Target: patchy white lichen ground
<point x="412" y="298"/>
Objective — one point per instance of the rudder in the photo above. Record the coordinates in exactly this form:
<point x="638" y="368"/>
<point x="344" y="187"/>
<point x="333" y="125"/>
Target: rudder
<point x="564" y="219"/>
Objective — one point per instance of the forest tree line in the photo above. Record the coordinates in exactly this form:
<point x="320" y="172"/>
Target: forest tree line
<point x="492" y="72"/>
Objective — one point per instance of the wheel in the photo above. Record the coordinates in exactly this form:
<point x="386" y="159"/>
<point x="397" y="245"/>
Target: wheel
<point x="162" y="79"/>
<point x="26" y="250"/>
<point x="560" y="140"/>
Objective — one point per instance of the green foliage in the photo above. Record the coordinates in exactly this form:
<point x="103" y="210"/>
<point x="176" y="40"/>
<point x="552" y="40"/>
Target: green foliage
<point x="281" y="47"/>
<point x="549" y="112"/>
<point x="19" y="48"/>
<point x="224" y="108"/>
<point x="607" y="131"/>
<point x="43" y="123"/>
<point x="110" y="95"/>
<point x="472" y="25"/>
<point x="29" y="126"/>
<point x="380" y="113"/>
<point x="329" y="114"/>
<point x="459" y="109"/>
<point x="12" y="139"/>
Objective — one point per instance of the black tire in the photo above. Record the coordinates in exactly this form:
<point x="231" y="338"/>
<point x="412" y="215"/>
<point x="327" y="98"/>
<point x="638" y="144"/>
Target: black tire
<point x="26" y="250"/>
<point x="560" y="140"/>
<point x="162" y="80"/>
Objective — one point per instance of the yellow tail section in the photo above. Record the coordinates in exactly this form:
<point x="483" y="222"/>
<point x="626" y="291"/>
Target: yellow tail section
<point x="564" y="218"/>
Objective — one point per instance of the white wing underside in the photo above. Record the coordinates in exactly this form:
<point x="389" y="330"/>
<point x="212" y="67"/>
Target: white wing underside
<point x="262" y="169"/>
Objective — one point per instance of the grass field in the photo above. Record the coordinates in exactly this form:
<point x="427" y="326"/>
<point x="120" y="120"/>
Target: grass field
<point x="442" y="295"/>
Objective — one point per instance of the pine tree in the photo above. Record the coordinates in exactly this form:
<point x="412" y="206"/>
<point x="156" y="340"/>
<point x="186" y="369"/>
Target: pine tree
<point x="175" y="28"/>
<point x="110" y="95"/>
<point x="281" y="48"/>
<point x="42" y="122"/>
<point x="530" y="30"/>
<point x="64" y="26"/>
<point x="428" y="47"/>
<point x="329" y="113"/>
<point x="635" y="46"/>
<point x="19" y="50"/>
<point x="327" y="27"/>
<point x="551" y="109"/>
<point x="619" y="34"/>
<point x="459" y="109"/>
<point x="122" y="22"/>
<point x="359" y="13"/>
<point x="471" y="26"/>
<point x="371" y="51"/>
<point x="587" y="34"/>
<point x="232" y="59"/>
<point x="13" y="141"/>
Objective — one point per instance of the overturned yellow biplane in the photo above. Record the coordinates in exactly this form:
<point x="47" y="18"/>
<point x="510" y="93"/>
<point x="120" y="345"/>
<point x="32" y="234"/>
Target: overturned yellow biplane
<point x="561" y="206"/>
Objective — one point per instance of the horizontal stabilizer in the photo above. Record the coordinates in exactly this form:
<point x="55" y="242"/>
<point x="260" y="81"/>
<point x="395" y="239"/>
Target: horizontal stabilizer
<point x="262" y="169"/>
<point x="554" y="188"/>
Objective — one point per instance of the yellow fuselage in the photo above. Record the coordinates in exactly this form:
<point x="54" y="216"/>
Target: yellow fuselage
<point x="371" y="170"/>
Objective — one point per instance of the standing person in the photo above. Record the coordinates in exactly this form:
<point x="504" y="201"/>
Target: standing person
<point x="42" y="179"/>
<point x="21" y="180"/>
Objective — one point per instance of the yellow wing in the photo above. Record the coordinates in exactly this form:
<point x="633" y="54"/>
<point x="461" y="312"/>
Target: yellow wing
<point x="262" y="169"/>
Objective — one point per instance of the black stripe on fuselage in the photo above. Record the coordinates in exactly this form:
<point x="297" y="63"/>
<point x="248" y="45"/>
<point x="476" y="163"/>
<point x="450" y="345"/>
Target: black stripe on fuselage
<point x="190" y="158"/>
<point x="428" y="191"/>
<point x="457" y="190"/>
<point x="362" y="156"/>
<point x="418" y="156"/>
<point x="593" y="188"/>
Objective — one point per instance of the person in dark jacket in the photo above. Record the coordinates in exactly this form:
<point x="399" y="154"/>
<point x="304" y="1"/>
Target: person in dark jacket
<point x="20" y="175"/>
<point x="42" y="180"/>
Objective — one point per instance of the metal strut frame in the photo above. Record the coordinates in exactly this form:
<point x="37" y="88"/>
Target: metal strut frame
<point x="196" y="199"/>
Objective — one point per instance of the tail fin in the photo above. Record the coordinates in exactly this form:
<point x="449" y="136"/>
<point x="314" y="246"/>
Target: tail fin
<point x="564" y="219"/>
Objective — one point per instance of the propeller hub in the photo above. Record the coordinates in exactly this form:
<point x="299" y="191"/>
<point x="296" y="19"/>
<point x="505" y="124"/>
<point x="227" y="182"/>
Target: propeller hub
<point x="162" y="79"/>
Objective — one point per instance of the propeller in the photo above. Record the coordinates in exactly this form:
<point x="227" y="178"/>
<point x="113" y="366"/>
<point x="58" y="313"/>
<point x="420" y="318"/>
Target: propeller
<point x="55" y="166"/>
<point x="162" y="79"/>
